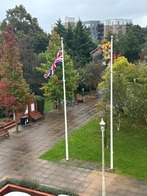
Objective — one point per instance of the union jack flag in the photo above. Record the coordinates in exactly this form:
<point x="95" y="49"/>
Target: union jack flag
<point x="57" y="61"/>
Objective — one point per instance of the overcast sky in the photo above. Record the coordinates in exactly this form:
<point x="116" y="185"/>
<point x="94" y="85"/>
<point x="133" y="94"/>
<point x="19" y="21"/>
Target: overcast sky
<point x="49" y="11"/>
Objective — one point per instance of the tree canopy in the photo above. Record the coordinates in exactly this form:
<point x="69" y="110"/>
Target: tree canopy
<point x="31" y="40"/>
<point x="130" y="44"/>
<point x="54" y="88"/>
<point x="129" y="89"/>
<point x="15" y="93"/>
<point x="78" y="43"/>
<point x="90" y="75"/>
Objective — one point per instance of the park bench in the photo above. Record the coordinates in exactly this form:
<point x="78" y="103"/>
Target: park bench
<point x="79" y="98"/>
<point x="9" y="125"/>
<point x="36" y="116"/>
<point x="4" y="132"/>
<point x="4" y="129"/>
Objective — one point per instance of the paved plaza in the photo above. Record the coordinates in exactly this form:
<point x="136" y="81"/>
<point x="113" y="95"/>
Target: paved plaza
<point x="19" y="156"/>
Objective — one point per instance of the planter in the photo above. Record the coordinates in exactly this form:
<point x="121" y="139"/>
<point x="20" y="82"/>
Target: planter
<point x="11" y="187"/>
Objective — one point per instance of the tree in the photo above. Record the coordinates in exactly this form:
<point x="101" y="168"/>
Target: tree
<point x="136" y="104"/>
<point x="30" y="61"/>
<point x="90" y="75"/>
<point x="129" y="90"/>
<point x="23" y="23"/>
<point x="60" y="29"/>
<point x="54" y="88"/>
<point x="129" y="45"/>
<point x="78" y="43"/>
<point x="120" y="68"/>
<point x="82" y="45"/>
<point x="14" y="93"/>
<point x="31" y="40"/>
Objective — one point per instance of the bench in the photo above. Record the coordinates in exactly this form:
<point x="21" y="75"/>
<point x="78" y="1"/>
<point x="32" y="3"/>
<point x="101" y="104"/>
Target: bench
<point x="36" y="116"/>
<point x="4" y="132"/>
<point x="79" y="98"/>
<point x="9" y="125"/>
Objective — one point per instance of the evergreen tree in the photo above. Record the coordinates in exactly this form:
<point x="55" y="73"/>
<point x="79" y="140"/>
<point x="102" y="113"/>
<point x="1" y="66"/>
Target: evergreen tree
<point x="82" y="45"/>
<point x="60" y="28"/>
<point x="78" y="43"/>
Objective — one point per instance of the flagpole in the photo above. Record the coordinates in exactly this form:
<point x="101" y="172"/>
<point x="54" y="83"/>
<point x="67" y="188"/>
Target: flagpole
<point x="65" y="112"/>
<point x="111" y="106"/>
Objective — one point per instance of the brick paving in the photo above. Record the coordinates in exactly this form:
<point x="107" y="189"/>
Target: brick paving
<point x="19" y="156"/>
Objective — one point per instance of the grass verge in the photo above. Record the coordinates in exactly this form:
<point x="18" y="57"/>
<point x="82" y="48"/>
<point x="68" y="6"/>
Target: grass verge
<point x="48" y="105"/>
<point x="130" y="148"/>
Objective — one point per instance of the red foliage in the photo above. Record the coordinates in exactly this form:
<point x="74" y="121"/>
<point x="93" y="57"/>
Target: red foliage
<point x="8" y="101"/>
<point x="2" y="85"/>
<point x="14" y="91"/>
<point x="115" y="56"/>
<point x="8" y="36"/>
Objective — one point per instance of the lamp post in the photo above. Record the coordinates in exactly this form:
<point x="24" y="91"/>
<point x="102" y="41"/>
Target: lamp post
<point x="102" y="126"/>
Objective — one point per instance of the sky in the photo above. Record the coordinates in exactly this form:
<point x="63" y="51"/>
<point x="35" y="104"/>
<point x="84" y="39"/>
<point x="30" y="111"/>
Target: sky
<point x="49" y="11"/>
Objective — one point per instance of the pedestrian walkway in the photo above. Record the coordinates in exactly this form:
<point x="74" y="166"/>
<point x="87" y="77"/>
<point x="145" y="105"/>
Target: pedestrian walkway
<point x="19" y="156"/>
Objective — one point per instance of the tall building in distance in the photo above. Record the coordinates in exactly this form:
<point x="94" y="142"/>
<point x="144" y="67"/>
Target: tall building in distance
<point x="99" y="29"/>
<point x="96" y="29"/>
<point x="116" y="26"/>
<point x="70" y="21"/>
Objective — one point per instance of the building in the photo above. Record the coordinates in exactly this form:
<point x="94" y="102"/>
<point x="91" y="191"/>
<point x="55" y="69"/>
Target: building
<point x="69" y="21"/>
<point x="116" y="26"/>
<point x="96" y="29"/>
<point x="100" y="29"/>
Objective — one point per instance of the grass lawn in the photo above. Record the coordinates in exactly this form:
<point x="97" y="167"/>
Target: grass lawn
<point x="130" y="148"/>
<point x="48" y="105"/>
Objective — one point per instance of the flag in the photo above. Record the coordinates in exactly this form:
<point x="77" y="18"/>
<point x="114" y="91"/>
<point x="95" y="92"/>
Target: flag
<point x="57" y="61"/>
<point x="97" y="54"/>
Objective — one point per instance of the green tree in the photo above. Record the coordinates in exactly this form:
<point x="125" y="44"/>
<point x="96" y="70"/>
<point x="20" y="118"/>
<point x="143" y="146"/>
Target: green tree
<point x="120" y="69"/>
<point x="82" y="45"/>
<point x="25" y="24"/>
<point x="139" y="33"/>
<point x="31" y="40"/>
<point x="129" y="90"/>
<point x="136" y="103"/>
<point x="60" y="29"/>
<point x="78" y="43"/>
<point x="30" y="61"/>
<point x="15" y="91"/>
<point x="90" y="75"/>
<point x="54" y="88"/>
<point x="129" y="45"/>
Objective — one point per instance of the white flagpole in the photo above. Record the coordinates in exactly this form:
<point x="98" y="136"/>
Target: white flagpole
<point x="111" y="106"/>
<point x="65" y="112"/>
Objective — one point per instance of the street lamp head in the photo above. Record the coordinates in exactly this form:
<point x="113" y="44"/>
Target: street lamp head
<point x="102" y="125"/>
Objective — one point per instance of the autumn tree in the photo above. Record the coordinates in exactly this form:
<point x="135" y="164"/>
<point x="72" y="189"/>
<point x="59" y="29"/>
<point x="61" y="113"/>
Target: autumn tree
<point x="14" y="93"/>
<point x="31" y="40"/>
<point x="54" y="88"/>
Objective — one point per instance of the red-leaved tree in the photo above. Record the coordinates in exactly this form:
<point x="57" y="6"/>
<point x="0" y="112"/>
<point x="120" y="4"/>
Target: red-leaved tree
<point x="14" y="91"/>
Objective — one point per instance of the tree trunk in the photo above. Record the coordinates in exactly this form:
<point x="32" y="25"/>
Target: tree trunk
<point x="16" y="121"/>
